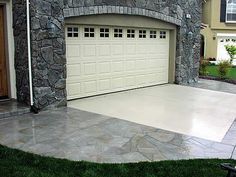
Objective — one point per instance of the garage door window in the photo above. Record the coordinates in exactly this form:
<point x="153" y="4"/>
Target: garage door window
<point x="162" y="34"/>
<point x="228" y="40"/>
<point x="118" y="33"/>
<point x="130" y="33"/>
<point x="153" y="34"/>
<point x="142" y="33"/>
<point x="104" y="32"/>
<point x="89" y="32"/>
<point x="72" y="32"/>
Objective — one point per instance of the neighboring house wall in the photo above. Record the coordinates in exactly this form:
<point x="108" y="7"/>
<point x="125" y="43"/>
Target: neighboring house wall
<point x="206" y="11"/>
<point x="211" y="17"/>
<point x="48" y="39"/>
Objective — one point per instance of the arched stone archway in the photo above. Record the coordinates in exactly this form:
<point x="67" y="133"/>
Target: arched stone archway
<point x="95" y="10"/>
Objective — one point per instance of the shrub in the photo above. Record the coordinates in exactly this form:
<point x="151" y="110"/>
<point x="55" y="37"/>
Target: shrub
<point x="223" y="68"/>
<point x="231" y="49"/>
<point x="203" y="67"/>
<point x="212" y="64"/>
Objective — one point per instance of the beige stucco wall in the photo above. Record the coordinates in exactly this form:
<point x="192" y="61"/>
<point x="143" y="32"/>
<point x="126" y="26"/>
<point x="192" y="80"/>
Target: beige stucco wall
<point x="120" y="20"/>
<point x="215" y="14"/>
<point x="210" y="43"/>
<point x="206" y="18"/>
<point x="9" y="47"/>
<point x="133" y="21"/>
<point x="211" y="17"/>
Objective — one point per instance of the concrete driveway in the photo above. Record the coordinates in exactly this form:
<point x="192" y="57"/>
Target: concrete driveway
<point x="186" y="110"/>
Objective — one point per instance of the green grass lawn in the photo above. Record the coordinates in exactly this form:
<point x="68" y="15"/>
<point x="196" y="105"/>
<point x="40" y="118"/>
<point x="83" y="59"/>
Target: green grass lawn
<point x="212" y="70"/>
<point x="15" y="163"/>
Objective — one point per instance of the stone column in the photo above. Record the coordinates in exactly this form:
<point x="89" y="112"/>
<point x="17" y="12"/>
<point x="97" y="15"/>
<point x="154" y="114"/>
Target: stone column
<point x="48" y="53"/>
<point x="21" y="53"/>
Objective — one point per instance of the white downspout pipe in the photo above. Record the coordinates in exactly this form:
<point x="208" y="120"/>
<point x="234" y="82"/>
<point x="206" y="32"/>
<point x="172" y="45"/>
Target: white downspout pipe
<point x="29" y="53"/>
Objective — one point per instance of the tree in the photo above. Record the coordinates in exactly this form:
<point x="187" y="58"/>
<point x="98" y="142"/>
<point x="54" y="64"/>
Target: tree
<point x="231" y="49"/>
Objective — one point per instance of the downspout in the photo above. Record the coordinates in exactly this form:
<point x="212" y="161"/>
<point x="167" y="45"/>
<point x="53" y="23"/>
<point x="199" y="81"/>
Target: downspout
<point x="32" y="106"/>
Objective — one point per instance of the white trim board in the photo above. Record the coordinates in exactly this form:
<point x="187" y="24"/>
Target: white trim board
<point x="226" y="34"/>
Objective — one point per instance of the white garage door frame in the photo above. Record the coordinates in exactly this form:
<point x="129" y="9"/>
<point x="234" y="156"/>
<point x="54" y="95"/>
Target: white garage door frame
<point x="93" y="83"/>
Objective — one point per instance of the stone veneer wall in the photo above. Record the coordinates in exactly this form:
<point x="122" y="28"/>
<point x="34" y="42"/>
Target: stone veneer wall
<point x="48" y="38"/>
<point x="21" y="53"/>
<point x="48" y="53"/>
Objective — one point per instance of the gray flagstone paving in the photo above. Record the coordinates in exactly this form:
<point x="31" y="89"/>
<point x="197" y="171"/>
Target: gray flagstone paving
<point x="79" y="135"/>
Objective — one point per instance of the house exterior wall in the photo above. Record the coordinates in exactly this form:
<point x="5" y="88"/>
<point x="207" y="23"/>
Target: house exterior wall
<point x="48" y="38"/>
<point x="215" y="18"/>
<point x="211" y="17"/>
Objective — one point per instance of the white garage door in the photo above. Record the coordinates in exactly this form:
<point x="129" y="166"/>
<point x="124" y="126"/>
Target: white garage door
<point x="222" y="42"/>
<point x="102" y="59"/>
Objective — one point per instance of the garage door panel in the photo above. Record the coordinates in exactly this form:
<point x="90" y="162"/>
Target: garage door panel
<point x="104" y="85"/>
<point x="130" y="81"/>
<point x="152" y="49"/>
<point x="142" y="48"/>
<point x="130" y="49"/>
<point x="73" y="51"/>
<point x="73" y="70"/>
<point x="117" y="66"/>
<point x="104" y="67"/>
<point x="90" y="68"/>
<point x="89" y="50"/>
<point x="74" y="90"/>
<point x="99" y="65"/>
<point x="162" y="49"/>
<point x="130" y="65"/>
<point x="90" y="87"/>
<point x="141" y="80"/>
<point x="141" y="64"/>
<point x="117" y="83"/>
<point x="155" y="63"/>
<point x="104" y="50"/>
<point x="151" y="78"/>
<point x="117" y="49"/>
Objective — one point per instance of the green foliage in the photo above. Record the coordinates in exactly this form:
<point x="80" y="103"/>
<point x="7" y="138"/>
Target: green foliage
<point x="231" y="49"/>
<point x="213" y="71"/>
<point x="16" y="163"/>
<point x="203" y="67"/>
<point x="223" y="69"/>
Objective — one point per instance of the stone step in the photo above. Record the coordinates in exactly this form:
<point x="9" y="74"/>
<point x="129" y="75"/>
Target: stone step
<point x="10" y="108"/>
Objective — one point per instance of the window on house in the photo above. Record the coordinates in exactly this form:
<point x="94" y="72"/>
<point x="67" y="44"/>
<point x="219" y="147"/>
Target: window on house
<point x="118" y="33"/>
<point x="72" y="32"/>
<point x="162" y="34"/>
<point x="104" y="32"/>
<point x="89" y="32"/>
<point x="153" y="34"/>
<point x="142" y="33"/>
<point x="231" y="11"/>
<point x="130" y="33"/>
